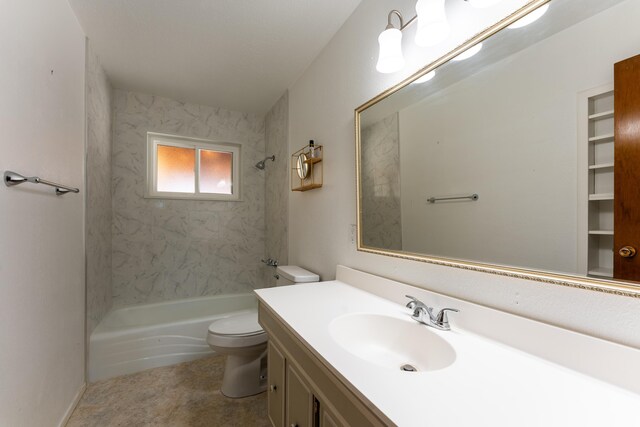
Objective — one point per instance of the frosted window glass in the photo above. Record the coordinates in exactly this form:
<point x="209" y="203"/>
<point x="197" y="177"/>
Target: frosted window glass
<point x="176" y="169"/>
<point x="215" y="172"/>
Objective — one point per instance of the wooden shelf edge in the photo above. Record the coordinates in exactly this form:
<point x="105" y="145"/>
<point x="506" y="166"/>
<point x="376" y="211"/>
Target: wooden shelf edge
<point x="599" y="138"/>
<point x="307" y="187"/>
<point x="601" y="166"/>
<point x="601" y="116"/>
<point x="312" y="160"/>
<point x="601" y="272"/>
<point x="600" y="196"/>
<point x="601" y="232"/>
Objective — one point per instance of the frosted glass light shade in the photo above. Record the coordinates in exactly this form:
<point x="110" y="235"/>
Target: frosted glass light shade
<point x="468" y="53"/>
<point x="530" y="17"/>
<point x="480" y="4"/>
<point x="426" y="77"/>
<point x="432" y="22"/>
<point x="390" y="58"/>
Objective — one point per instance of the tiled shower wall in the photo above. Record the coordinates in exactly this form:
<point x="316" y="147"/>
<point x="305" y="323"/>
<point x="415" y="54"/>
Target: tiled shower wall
<point x="381" y="223"/>
<point x="98" y="191"/>
<point x="170" y="249"/>
<point x="277" y="184"/>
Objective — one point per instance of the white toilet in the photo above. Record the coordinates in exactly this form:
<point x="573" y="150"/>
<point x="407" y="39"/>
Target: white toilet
<point x="241" y="338"/>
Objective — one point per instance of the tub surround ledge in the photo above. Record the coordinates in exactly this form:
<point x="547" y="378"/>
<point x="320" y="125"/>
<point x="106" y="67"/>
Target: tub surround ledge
<point x="507" y="370"/>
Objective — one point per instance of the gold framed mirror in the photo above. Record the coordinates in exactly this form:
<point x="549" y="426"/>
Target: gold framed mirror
<point x="499" y="163"/>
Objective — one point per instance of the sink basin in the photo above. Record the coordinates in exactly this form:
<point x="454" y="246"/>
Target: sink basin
<point x="391" y="342"/>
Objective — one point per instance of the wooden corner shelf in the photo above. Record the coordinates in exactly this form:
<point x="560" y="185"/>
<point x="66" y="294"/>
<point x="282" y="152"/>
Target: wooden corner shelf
<point x="307" y="187"/>
<point x="306" y="168"/>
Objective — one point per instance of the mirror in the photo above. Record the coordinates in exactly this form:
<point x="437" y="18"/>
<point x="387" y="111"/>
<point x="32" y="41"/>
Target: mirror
<point x="504" y="161"/>
<point x="302" y="166"/>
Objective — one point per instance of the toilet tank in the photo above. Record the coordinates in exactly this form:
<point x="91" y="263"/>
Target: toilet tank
<point x="292" y="274"/>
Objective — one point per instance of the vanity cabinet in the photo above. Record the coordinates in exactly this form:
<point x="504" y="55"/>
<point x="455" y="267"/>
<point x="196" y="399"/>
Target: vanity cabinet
<point x="275" y="375"/>
<point x="303" y="390"/>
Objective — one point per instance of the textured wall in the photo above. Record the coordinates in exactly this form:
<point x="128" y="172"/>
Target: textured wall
<point x="169" y="249"/>
<point x="98" y="176"/>
<point x="277" y="184"/>
<point x="381" y="219"/>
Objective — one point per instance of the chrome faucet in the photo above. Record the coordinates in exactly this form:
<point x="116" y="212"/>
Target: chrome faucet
<point x="424" y="314"/>
<point x="270" y="262"/>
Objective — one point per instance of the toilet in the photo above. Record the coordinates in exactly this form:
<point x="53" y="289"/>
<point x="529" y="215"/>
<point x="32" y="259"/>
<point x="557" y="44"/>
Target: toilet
<point x="241" y="338"/>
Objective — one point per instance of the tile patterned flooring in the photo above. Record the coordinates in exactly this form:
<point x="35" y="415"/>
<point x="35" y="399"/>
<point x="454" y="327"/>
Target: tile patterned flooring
<point x="181" y="395"/>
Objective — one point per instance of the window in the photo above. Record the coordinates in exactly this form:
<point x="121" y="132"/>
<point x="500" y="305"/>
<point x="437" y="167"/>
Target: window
<point x="187" y="168"/>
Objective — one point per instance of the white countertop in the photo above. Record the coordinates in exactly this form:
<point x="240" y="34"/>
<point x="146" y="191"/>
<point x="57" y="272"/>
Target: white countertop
<point x="489" y="384"/>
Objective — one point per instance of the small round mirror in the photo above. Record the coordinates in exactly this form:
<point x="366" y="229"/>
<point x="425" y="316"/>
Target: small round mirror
<point x="302" y="166"/>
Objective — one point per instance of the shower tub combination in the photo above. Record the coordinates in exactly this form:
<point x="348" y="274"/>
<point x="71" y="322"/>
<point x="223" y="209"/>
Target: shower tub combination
<point x="136" y="338"/>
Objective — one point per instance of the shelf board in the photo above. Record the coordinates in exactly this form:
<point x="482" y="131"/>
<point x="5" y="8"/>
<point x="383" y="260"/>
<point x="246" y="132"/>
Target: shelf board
<point x="601" y="116"/>
<point x="601" y="196"/>
<point x="602" y="138"/>
<point x="307" y="187"/>
<point x="601" y="232"/>
<point x="601" y="166"/>
<point x="312" y="160"/>
<point x="601" y="271"/>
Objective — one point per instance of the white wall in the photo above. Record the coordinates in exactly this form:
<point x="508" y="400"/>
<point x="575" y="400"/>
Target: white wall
<point x="42" y="295"/>
<point x="321" y="108"/>
<point x="523" y="161"/>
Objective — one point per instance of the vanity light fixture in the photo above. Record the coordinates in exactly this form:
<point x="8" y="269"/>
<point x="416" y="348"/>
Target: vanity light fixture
<point x="481" y="4"/>
<point x="433" y="28"/>
<point x="390" y="58"/>
<point x="530" y="18"/>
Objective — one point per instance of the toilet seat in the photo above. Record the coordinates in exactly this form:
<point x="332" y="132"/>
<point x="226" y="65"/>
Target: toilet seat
<point x="241" y="330"/>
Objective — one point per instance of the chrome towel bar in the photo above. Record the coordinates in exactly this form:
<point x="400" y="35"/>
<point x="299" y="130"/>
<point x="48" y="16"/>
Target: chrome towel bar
<point x="13" y="178"/>
<point x="473" y="197"/>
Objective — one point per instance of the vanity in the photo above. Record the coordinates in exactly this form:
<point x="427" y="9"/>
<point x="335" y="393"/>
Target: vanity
<point x="337" y="351"/>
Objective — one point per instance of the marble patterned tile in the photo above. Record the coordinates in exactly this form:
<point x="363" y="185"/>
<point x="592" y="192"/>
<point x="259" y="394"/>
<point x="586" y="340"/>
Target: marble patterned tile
<point x="98" y="192"/>
<point x="381" y="221"/>
<point x="277" y="185"/>
<point x="168" y="249"/>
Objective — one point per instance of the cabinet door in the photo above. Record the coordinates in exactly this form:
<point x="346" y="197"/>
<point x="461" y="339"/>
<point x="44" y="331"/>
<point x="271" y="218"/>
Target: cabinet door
<point x="330" y="419"/>
<point x="276" y="392"/>
<point x="299" y="401"/>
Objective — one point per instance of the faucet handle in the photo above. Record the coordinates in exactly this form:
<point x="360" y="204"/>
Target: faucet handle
<point x="413" y="303"/>
<point x="442" y="320"/>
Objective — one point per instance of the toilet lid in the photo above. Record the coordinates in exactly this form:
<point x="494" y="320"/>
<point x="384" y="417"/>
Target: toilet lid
<point x="239" y="324"/>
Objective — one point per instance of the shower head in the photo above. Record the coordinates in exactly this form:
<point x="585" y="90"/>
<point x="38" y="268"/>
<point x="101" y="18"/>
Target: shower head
<point x="260" y="165"/>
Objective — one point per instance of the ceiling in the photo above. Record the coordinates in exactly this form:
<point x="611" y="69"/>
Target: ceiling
<point x="236" y="54"/>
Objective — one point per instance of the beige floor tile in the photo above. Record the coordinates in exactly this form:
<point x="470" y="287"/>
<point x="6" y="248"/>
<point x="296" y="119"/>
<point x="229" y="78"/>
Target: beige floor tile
<point x="187" y="394"/>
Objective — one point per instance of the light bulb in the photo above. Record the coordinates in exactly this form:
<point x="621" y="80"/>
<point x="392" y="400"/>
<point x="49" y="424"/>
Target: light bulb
<point x="390" y="58"/>
<point x="530" y="17"/>
<point x="480" y="4"/>
<point x="426" y="77"/>
<point x="468" y="53"/>
<point x="432" y="22"/>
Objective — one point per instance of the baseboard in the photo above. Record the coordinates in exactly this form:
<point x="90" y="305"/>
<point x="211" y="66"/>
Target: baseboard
<point x="72" y="406"/>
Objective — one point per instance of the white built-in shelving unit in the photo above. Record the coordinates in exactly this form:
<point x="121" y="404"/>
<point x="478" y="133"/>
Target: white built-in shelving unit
<point x="595" y="148"/>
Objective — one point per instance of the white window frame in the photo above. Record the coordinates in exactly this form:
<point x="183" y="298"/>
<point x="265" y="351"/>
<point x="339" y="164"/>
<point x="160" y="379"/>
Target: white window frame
<point x="155" y="139"/>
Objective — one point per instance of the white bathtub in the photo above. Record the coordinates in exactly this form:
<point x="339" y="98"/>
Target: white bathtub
<point x="136" y="338"/>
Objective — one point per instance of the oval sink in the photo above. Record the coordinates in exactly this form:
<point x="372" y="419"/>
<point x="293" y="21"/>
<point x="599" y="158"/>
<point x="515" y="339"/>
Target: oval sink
<point x="391" y="342"/>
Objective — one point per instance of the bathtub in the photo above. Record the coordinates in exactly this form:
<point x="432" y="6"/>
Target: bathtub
<point x="136" y="338"/>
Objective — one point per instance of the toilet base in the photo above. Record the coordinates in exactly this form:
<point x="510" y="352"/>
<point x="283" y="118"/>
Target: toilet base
<point x="244" y="375"/>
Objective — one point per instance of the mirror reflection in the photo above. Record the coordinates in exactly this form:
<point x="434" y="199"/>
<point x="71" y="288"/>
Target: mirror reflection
<point x="507" y="156"/>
